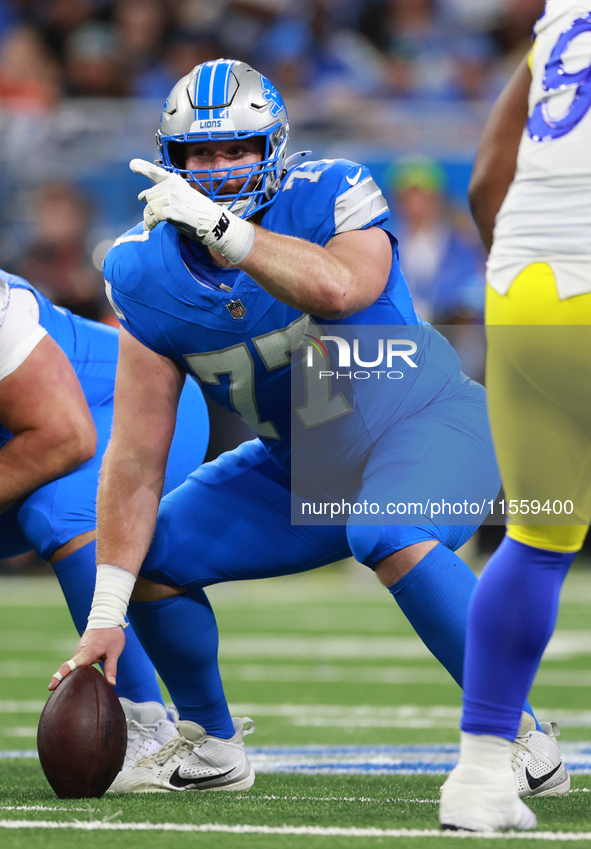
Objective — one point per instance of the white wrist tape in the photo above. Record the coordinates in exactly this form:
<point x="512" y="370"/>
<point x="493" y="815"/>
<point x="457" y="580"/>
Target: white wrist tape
<point x="111" y="597"/>
<point x="232" y="236"/>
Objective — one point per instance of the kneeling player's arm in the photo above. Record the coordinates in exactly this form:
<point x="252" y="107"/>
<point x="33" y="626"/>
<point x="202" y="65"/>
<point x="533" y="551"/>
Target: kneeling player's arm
<point x="147" y="392"/>
<point x="496" y="160"/>
<point x="344" y="277"/>
<point x="43" y="406"/>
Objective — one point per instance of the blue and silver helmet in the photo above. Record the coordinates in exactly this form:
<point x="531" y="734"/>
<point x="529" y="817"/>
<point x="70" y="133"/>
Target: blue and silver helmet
<point x="225" y="100"/>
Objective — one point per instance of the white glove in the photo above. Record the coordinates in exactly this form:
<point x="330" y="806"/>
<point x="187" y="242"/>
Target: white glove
<point x="174" y="200"/>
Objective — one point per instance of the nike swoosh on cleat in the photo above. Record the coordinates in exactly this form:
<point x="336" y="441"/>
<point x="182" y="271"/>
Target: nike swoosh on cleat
<point x="354" y="180"/>
<point x="446" y="827"/>
<point x="534" y="783"/>
<point x="177" y="780"/>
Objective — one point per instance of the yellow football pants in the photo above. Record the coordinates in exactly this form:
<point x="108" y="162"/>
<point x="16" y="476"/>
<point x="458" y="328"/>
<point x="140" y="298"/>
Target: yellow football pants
<point x="538" y="377"/>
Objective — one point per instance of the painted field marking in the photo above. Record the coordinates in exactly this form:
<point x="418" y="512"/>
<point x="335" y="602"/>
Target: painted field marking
<point x="250" y="797"/>
<point x="29" y="706"/>
<point x="356" y="673"/>
<point x="307" y="830"/>
<point x="24" y="668"/>
<point x="20" y="731"/>
<point x="399" y="716"/>
<point x="364" y="799"/>
<point x="563" y="645"/>
<point x="86" y="810"/>
<point x="367" y="760"/>
<point x="34" y="642"/>
<point x="19" y="754"/>
<point x="326" y="673"/>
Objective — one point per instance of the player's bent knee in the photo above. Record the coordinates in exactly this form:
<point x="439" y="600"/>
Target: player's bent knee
<point x="364" y="540"/>
<point x="395" y="566"/>
<point x="390" y="550"/>
<point x="145" y="590"/>
<point x="73" y="545"/>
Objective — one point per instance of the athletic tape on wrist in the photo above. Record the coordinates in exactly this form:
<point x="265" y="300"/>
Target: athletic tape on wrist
<point x="111" y="597"/>
<point x="237" y="240"/>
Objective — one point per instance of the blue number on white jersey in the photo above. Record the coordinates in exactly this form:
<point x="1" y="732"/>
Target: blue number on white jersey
<point x="542" y="127"/>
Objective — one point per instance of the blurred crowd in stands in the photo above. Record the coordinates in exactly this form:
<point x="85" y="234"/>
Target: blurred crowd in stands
<point x="316" y="52"/>
<point x="443" y="49"/>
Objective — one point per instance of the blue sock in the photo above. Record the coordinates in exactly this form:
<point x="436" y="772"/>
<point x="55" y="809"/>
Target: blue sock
<point x="435" y="598"/>
<point x="136" y="678"/>
<point x="181" y="637"/>
<point x="512" y="618"/>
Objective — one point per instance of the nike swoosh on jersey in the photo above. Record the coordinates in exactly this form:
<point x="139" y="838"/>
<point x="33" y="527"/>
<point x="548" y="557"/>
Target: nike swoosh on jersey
<point x="177" y="780"/>
<point x="354" y="180"/>
<point x="534" y="783"/>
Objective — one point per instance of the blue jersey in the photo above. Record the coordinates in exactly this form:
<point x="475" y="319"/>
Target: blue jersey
<point x="240" y="341"/>
<point x="64" y="508"/>
<point x="90" y="347"/>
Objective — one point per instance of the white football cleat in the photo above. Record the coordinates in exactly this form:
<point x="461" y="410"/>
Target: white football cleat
<point x="477" y="798"/>
<point x="537" y="761"/>
<point x="149" y="727"/>
<point x="192" y="761"/>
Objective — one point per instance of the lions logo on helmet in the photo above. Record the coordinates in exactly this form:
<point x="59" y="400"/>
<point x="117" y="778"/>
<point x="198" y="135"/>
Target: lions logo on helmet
<point x="225" y="100"/>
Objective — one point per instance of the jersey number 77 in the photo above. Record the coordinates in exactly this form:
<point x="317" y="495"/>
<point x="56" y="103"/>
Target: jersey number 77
<point x="274" y="350"/>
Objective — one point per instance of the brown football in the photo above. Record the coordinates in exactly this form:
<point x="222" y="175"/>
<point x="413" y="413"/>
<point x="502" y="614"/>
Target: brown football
<point x="82" y="735"/>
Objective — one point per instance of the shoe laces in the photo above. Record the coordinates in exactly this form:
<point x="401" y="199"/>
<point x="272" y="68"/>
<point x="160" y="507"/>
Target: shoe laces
<point x="518" y="753"/>
<point x="137" y="736"/>
<point x="174" y="747"/>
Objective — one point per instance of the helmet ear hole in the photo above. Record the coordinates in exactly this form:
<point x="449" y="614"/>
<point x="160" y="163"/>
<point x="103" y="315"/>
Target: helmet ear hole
<point x="177" y="153"/>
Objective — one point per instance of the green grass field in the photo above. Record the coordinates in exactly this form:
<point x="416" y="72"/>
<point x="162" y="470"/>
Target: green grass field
<point x="349" y="707"/>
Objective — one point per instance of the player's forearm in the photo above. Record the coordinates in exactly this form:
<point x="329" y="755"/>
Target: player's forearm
<point x="127" y="506"/>
<point x="301" y="274"/>
<point x="35" y="457"/>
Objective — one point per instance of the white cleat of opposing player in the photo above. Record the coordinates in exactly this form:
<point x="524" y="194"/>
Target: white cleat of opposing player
<point x="537" y="761"/>
<point x="192" y="760"/>
<point x="477" y="798"/>
<point x="482" y="798"/>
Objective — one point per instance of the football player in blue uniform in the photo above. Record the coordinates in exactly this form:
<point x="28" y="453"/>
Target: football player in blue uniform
<point x="243" y="257"/>
<point x="57" y="380"/>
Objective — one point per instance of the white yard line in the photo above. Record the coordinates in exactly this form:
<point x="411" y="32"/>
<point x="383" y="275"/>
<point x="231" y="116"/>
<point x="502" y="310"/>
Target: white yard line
<point x="250" y="797"/>
<point x="563" y="645"/>
<point x="88" y="809"/>
<point x="12" y="706"/>
<point x="409" y="716"/>
<point x="304" y="830"/>
<point x="356" y="673"/>
<point x="364" y="799"/>
<point x="325" y="673"/>
<point x="20" y="731"/>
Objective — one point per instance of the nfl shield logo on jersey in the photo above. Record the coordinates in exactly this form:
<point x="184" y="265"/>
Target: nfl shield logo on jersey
<point x="236" y="309"/>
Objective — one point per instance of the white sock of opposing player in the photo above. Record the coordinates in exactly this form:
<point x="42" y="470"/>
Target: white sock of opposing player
<point x="486" y="751"/>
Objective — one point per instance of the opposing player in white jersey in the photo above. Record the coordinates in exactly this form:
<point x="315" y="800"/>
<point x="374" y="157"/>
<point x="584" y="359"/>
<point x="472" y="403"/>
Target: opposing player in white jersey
<point x="538" y="314"/>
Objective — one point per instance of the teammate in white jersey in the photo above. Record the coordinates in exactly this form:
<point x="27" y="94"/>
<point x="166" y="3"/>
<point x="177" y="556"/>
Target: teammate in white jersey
<point x="538" y="314"/>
